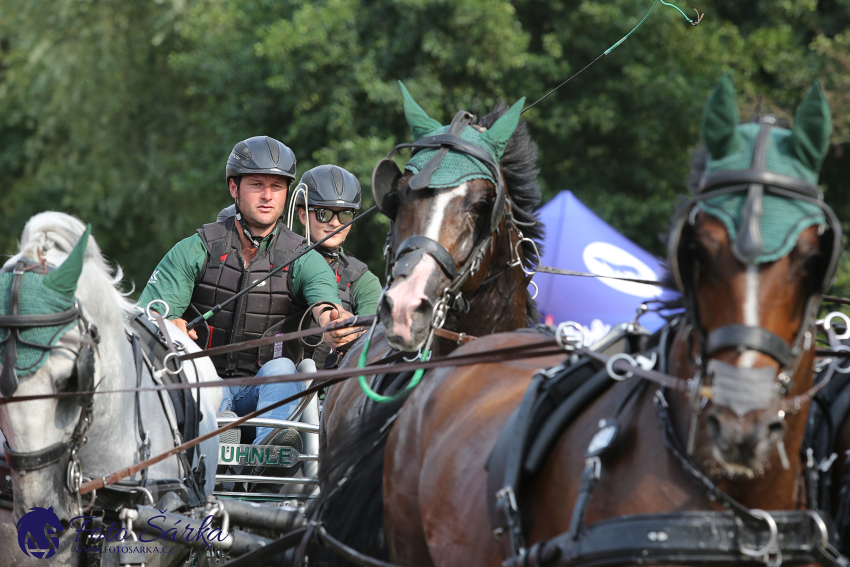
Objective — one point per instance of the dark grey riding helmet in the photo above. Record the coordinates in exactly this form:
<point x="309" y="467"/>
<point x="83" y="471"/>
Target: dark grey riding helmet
<point x="328" y="186"/>
<point x="260" y="154"/>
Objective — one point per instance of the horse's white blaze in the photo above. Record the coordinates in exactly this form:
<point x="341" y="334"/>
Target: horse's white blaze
<point x="438" y="211"/>
<point x="751" y="311"/>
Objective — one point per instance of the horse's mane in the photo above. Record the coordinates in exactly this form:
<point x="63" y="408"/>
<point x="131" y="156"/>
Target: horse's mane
<point x="519" y="167"/>
<point x="51" y="229"/>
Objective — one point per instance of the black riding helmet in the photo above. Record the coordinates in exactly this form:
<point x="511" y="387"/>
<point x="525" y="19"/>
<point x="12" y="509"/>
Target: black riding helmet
<point x="260" y="154"/>
<point x="329" y="186"/>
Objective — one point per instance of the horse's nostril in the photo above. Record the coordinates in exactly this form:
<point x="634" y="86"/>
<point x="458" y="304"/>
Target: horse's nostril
<point x="65" y="523"/>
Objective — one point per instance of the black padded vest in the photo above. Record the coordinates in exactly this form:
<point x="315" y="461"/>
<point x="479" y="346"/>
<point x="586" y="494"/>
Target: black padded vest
<point x="252" y="315"/>
<point x="348" y="270"/>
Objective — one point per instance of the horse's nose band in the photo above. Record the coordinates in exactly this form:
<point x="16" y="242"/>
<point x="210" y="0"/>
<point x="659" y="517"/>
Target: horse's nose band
<point x="406" y="258"/>
<point x="753" y="338"/>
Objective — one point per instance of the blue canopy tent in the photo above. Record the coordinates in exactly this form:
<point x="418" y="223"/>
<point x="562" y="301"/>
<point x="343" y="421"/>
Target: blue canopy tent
<point x="577" y="239"/>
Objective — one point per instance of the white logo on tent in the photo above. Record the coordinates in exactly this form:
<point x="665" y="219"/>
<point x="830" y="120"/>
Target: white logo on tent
<point x="605" y="259"/>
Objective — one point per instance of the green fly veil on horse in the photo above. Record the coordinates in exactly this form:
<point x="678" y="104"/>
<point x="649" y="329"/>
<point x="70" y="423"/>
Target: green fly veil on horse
<point x="36" y="309"/>
<point x="760" y="181"/>
<point x="447" y="156"/>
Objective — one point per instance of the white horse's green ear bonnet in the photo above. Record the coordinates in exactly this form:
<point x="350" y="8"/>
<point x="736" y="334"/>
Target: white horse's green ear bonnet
<point x="26" y="349"/>
<point x="777" y="167"/>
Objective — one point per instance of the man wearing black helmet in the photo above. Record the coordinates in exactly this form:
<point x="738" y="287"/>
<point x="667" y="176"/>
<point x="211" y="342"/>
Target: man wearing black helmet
<point x="326" y="198"/>
<point x="223" y="258"/>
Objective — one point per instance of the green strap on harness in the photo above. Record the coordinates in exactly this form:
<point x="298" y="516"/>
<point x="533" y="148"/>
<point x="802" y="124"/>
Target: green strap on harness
<point x="375" y="396"/>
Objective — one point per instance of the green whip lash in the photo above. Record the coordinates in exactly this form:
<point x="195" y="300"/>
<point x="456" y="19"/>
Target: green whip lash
<point x="616" y="45"/>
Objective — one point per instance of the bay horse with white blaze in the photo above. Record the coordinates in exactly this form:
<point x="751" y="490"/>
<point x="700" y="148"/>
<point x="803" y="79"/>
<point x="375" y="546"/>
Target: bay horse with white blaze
<point x="461" y="242"/>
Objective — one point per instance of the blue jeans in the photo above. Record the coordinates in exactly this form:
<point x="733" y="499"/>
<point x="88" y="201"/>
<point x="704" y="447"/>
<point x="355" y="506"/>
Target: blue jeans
<point x="245" y="399"/>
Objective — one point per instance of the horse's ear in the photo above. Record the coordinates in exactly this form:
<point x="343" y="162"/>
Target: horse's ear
<point x="720" y="121"/>
<point x="420" y="122"/>
<point x="501" y="131"/>
<point x="64" y="278"/>
<point x="812" y="126"/>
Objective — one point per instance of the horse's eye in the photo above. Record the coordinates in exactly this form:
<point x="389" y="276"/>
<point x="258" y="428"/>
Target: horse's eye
<point x="479" y="207"/>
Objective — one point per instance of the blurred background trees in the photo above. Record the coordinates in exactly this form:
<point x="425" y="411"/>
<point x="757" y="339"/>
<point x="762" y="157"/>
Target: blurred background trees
<point x="123" y="112"/>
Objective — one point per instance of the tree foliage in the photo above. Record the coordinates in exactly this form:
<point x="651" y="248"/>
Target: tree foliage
<point x="123" y="113"/>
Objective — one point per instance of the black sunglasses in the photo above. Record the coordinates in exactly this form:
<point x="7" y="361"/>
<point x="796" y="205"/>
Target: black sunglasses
<point x="325" y="215"/>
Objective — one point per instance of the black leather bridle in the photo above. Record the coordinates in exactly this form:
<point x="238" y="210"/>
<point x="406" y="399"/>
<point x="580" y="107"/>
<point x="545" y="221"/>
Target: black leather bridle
<point x="385" y="178"/>
<point x="747" y="247"/>
<point x="84" y="370"/>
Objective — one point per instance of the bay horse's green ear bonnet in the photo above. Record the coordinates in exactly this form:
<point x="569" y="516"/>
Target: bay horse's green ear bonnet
<point x="447" y="156"/>
<point x="457" y="167"/>
<point x="777" y="167"/>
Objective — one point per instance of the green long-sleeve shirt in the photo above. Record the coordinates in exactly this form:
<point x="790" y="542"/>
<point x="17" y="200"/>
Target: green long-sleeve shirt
<point x="175" y="277"/>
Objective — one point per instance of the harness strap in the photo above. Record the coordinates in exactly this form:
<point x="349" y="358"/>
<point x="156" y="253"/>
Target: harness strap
<point x="760" y="176"/>
<point x="459" y="338"/>
<point x="745" y="336"/>
<point x="403" y="266"/>
<point x="40" y="320"/>
<point x="144" y="447"/>
<point x="34" y="460"/>
<point x="692" y="537"/>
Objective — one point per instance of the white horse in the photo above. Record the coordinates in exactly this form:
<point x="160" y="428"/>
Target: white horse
<point x="112" y="441"/>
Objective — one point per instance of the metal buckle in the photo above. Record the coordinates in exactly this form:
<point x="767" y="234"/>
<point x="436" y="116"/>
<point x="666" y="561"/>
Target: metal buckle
<point x="155" y="301"/>
<point x="764" y="551"/>
<point x="569" y="342"/>
<point x="508" y="492"/>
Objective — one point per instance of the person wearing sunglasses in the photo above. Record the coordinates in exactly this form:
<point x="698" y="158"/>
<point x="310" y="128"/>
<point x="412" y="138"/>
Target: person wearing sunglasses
<point x="327" y="197"/>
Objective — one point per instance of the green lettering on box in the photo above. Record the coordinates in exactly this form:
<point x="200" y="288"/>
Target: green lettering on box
<point x="257" y="456"/>
<point x="224" y="453"/>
